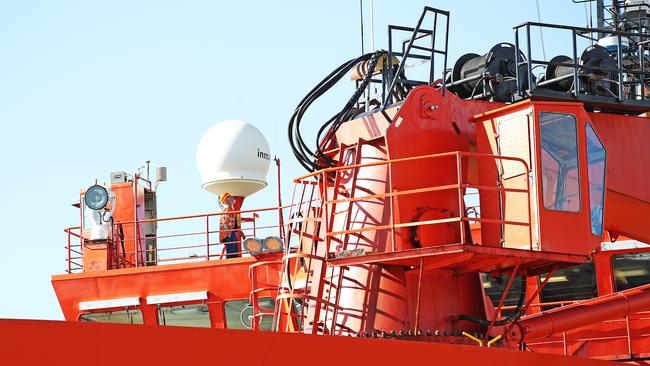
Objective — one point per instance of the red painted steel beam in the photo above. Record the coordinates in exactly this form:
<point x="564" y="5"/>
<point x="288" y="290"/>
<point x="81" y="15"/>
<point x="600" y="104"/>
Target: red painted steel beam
<point x="586" y="312"/>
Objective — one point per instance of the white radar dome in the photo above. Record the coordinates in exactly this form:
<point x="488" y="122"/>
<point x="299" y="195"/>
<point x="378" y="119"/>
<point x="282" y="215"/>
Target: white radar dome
<point x="234" y="157"/>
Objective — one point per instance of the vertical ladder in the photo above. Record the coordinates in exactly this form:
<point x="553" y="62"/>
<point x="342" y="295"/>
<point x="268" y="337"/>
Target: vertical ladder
<point x="346" y="238"/>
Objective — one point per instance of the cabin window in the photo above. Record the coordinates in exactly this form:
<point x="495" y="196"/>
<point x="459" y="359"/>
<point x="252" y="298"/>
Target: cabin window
<point x="560" y="174"/>
<point x="128" y="316"/>
<point x="569" y="284"/>
<point x="192" y="315"/>
<point x="239" y="313"/>
<point x="596" y="169"/>
<point x="631" y="270"/>
<point x="494" y="288"/>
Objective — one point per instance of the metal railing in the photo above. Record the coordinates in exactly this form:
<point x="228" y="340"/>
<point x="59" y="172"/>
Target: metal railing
<point x="316" y="201"/>
<point x="460" y="186"/>
<point x="262" y="288"/>
<point x="632" y="330"/>
<point x="622" y="74"/>
<point x="177" y="239"/>
<point x="408" y="48"/>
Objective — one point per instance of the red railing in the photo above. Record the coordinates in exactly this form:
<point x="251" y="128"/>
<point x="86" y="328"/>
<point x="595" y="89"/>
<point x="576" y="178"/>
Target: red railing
<point x="469" y="213"/>
<point x="198" y="239"/>
<point x="177" y="239"/>
<point x="319" y="202"/>
<point x="74" y="249"/>
<point x="634" y="330"/>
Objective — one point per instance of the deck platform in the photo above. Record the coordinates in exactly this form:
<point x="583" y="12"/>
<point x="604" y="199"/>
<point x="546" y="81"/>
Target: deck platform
<point x="465" y="258"/>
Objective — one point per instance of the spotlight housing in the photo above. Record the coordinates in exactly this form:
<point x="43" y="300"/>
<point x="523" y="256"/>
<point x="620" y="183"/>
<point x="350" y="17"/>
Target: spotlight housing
<point x="253" y="245"/>
<point x="273" y="244"/>
<point x="96" y="197"/>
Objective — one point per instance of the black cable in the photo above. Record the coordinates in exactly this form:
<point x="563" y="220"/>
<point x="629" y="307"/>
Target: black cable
<point x="299" y="147"/>
<point x="343" y="114"/>
<point x="509" y="319"/>
<point x="304" y="154"/>
<point x="315" y="159"/>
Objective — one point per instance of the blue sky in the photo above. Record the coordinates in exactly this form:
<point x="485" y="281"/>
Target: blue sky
<point x="90" y="87"/>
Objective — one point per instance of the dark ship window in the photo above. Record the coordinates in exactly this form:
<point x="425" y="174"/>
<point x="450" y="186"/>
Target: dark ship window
<point x="560" y="175"/>
<point x="569" y="284"/>
<point x="596" y="170"/>
<point x="130" y="316"/>
<point x="193" y="315"/>
<point x="239" y="313"/>
<point x="494" y="289"/>
<point x="631" y="270"/>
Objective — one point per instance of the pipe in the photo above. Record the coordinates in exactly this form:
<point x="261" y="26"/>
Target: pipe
<point x="608" y="307"/>
<point x="475" y="339"/>
<point x="493" y="340"/>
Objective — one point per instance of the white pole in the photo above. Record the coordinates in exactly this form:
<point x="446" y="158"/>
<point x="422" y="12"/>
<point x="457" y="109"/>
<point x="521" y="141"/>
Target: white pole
<point x="372" y="49"/>
<point x="372" y="26"/>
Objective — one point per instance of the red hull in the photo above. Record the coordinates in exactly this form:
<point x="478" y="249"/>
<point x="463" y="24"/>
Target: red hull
<point x="37" y="342"/>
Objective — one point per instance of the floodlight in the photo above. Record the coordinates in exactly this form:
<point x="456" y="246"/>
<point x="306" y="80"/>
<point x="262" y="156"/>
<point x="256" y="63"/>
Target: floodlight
<point x="253" y="245"/>
<point x="273" y="244"/>
<point x="96" y="197"/>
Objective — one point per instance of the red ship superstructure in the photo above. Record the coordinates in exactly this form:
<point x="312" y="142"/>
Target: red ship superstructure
<point x="501" y="204"/>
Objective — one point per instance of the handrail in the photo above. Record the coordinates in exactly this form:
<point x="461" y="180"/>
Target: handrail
<point x="460" y="185"/>
<point x="581" y="29"/>
<point x="257" y="287"/>
<point x="210" y="214"/>
<point x="331" y="180"/>
<point x="194" y="250"/>
<point x="316" y="200"/>
<point x="626" y="329"/>
<point x="412" y="158"/>
<point x="407" y="46"/>
<point x="526" y="83"/>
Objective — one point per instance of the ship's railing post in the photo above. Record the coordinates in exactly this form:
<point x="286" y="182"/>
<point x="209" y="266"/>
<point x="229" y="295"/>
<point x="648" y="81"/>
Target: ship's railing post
<point x="253" y="298"/>
<point x="69" y="252"/>
<point x="461" y="213"/>
<point x="207" y="237"/>
<point x="392" y="205"/>
<point x="518" y="63"/>
<point x="529" y="56"/>
<point x="576" y="79"/>
<point x="281" y="232"/>
<point x="530" y="214"/>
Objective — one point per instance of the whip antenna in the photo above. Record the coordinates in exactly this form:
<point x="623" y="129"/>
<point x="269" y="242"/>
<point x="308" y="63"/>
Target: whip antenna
<point x="541" y="35"/>
<point x="361" y="15"/>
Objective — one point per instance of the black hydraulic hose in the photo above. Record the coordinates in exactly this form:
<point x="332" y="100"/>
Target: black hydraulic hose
<point x="303" y="153"/>
<point x="509" y="319"/>
<point x="344" y="113"/>
<point x="299" y="147"/>
<point x="313" y="159"/>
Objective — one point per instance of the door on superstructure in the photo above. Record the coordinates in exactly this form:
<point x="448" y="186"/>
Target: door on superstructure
<point x="517" y="207"/>
<point x="569" y="177"/>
